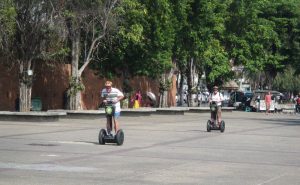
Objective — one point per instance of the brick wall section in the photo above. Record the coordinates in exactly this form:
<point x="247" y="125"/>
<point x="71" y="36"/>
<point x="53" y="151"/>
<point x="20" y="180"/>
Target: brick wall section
<point x="93" y="86"/>
<point x="50" y="84"/>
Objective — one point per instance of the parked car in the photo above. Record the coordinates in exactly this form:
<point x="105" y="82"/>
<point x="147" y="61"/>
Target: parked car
<point x="258" y="100"/>
<point x="184" y="96"/>
<point x="236" y="98"/>
<point x="203" y="97"/>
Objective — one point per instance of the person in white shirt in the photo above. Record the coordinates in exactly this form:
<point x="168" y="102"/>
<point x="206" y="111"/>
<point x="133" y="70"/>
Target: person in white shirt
<point x="217" y="97"/>
<point x="113" y="96"/>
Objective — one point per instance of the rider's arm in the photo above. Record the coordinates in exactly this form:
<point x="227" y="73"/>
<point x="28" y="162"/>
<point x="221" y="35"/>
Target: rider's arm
<point x="120" y="96"/>
<point x="103" y="96"/>
<point x="221" y="97"/>
<point x="210" y="98"/>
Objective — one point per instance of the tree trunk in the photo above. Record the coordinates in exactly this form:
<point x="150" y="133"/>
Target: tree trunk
<point x="166" y="78"/>
<point x="74" y="99"/>
<point x="25" y="97"/>
<point x="163" y="99"/>
<point x="164" y="94"/>
<point x="180" y="90"/>
<point x="25" y="86"/>
<point x="191" y="73"/>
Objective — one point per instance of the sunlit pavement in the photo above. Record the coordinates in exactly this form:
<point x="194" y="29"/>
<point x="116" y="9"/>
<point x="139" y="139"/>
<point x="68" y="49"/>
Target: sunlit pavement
<point x="255" y="149"/>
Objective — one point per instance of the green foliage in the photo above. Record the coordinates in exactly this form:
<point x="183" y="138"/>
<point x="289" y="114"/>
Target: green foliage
<point x="208" y="38"/>
<point x="217" y="65"/>
<point x="159" y="38"/>
<point x="7" y="21"/>
<point x="29" y="25"/>
<point x="75" y="86"/>
<point x="126" y="86"/>
<point x="143" y="44"/>
<point x="287" y="81"/>
<point x="260" y="33"/>
<point x="164" y="85"/>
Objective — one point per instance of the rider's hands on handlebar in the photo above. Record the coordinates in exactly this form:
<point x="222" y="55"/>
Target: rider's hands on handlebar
<point x="113" y="101"/>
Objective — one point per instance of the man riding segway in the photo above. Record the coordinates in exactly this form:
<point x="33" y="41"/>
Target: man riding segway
<point x="215" y="100"/>
<point x="111" y="99"/>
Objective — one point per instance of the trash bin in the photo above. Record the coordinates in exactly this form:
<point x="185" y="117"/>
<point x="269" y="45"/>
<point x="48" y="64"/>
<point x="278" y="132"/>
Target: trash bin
<point x="36" y="104"/>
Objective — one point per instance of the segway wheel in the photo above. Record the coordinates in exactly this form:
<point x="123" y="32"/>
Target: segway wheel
<point x="101" y="136"/>
<point x="222" y="126"/>
<point x="208" y="126"/>
<point x="120" y="137"/>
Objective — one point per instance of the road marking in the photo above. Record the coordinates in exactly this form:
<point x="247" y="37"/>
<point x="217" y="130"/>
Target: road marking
<point x="272" y="179"/>
<point x="45" y="167"/>
<point x="74" y="142"/>
<point x="49" y="155"/>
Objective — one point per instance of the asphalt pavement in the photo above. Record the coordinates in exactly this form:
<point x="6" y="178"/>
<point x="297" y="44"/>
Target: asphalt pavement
<point x="255" y="149"/>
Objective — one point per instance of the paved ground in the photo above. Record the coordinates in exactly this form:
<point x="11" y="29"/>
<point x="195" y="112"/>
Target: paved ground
<point x="255" y="149"/>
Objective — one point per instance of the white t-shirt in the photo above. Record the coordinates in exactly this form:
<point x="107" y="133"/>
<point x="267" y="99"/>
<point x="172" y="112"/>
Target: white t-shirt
<point x="218" y="97"/>
<point x="113" y="96"/>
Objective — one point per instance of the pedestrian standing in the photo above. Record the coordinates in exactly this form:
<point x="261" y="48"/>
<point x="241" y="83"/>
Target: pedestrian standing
<point x="137" y="99"/>
<point x="268" y="99"/>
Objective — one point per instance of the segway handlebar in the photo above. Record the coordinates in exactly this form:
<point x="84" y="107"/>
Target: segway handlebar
<point x="110" y="102"/>
<point x="214" y="102"/>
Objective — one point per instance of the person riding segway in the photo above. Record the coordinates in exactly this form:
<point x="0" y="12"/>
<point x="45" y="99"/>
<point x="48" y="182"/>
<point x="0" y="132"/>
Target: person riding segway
<point x="111" y="100"/>
<point x="215" y="102"/>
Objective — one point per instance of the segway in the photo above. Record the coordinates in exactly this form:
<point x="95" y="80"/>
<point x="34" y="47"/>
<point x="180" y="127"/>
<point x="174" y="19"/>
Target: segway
<point x="104" y="137"/>
<point x="213" y="125"/>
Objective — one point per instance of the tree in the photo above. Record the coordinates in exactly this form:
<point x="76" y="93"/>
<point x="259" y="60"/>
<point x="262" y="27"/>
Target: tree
<point x="143" y="44"/>
<point x="123" y="51"/>
<point x="30" y="38"/>
<point x="208" y="20"/>
<point x="160" y="34"/>
<point x="263" y="36"/>
<point x="182" y="50"/>
<point x="287" y="81"/>
<point x="7" y="17"/>
<point x="286" y="16"/>
<point x="88" y="22"/>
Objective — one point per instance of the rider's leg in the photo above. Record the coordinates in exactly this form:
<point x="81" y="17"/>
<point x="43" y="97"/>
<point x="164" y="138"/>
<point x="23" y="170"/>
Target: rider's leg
<point x="212" y="116"/>
<point x="116" y="122"/>
<point x="219" y="115"/>
<point x="108" y="125"/>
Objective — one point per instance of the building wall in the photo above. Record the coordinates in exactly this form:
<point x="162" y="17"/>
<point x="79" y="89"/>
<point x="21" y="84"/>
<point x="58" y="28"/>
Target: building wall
<point x="8" y="88"/>
<point x="51" y="82"/>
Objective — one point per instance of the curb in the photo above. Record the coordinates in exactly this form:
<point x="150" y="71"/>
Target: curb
<point x="55" y="115"/>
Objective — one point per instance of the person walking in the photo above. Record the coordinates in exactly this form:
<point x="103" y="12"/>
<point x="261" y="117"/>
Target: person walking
<point x="297" y="103"/>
